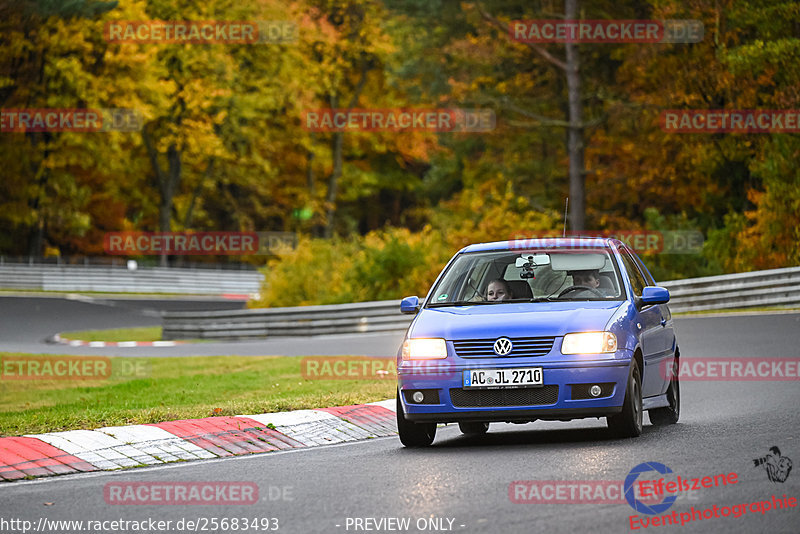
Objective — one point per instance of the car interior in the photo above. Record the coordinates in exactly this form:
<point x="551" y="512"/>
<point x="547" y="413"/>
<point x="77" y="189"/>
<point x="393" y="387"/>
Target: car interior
<point x="552" y="275"/>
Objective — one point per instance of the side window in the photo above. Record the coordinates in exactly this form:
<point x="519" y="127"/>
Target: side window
<point x="647" y="276"/>
<point x="666" y="314"/>
<point x="637" y="280"/>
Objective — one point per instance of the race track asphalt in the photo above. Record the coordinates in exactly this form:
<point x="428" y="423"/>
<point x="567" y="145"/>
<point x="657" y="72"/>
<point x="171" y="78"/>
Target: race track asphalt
<point x="724" y="425"/>
<point x="26" y="323"/>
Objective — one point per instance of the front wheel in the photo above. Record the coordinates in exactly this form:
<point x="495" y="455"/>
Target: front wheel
<point x="670" y="414"/>
<point x="413" y="434"/>
<point x="628" y="424"/>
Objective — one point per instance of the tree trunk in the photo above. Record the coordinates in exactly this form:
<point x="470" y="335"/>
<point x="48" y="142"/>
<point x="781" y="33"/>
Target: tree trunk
<point x="575" y="126"/>
<point x="333" y="182"/>
<point x="338" y="150"/>
<point x="167" y="183"/>
<point x="575" y="146"/>
<point x="337" y="146"/>
<point x="36" y="236"/>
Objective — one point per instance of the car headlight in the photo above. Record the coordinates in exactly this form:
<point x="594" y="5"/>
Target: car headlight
<point x="424" y="349"/>
<point x="589" y="343"/>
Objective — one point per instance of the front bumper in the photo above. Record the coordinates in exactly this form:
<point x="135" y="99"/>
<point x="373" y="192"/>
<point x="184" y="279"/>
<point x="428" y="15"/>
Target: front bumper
<point x="554" y="400"/>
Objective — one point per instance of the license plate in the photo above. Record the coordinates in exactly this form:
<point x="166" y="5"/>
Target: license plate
<point x="523" y="377"/>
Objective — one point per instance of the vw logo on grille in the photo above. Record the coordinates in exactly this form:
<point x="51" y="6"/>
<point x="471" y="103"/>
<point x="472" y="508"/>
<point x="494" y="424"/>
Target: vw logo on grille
<point x="502" y="346"/>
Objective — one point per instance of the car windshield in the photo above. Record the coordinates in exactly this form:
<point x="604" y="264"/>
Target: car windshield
<point x="540" y="275"/>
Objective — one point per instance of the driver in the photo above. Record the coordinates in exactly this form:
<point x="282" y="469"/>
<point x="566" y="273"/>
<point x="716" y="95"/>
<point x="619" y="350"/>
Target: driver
<point x="590" y="278"/>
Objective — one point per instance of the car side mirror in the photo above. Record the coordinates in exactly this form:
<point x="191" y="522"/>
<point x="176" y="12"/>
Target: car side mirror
<point x="409" y="305"/>
<point x="654" y="295"/>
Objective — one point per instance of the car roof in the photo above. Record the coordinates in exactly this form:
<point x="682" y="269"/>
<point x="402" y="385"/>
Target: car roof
<point x="545" y="242"/>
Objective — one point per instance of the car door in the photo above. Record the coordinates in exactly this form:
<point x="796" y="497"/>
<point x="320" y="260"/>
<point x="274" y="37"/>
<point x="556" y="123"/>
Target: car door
<point x="668" y="330"/>
<point x="648" y="323"/>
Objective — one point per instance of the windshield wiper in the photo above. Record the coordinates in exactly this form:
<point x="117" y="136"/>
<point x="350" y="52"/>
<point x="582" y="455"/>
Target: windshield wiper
<point x="464" y="303"/>
<point x="479" y="302"/>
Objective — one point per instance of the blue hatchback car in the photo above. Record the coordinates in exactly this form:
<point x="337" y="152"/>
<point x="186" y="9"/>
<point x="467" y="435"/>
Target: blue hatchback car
<point x="552" y="329"/>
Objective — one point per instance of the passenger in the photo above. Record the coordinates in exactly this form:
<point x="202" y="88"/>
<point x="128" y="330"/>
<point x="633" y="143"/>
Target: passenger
<point x="498" y="290"/>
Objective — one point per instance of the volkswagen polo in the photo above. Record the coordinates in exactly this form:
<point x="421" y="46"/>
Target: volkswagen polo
<point x="550" y="329"/>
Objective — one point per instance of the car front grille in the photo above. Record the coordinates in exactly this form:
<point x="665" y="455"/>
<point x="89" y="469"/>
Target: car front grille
<point x="522" y="346"/>
<point x="486" y="398"/>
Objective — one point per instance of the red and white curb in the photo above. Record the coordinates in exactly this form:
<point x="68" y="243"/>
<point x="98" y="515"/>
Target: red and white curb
<point x="81" y="343"/>
<point x="118" y="447"/>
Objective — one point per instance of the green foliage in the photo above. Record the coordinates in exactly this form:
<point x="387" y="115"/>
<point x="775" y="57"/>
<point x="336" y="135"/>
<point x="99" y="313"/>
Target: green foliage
<point x="383" y="263"/>
<point x="311" y="274"/>
<point x="395" y="262"/>
<point x="682" y="265"/>
<point x="69" y="8"/>
<point x="225" y="124"/>
<point x="767" y="236"/>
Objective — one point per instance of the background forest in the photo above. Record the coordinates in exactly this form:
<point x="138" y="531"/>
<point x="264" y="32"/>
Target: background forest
<point x="223" y="147"/>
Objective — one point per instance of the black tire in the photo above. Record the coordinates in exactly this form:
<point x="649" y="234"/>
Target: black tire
<point x="473" y="429"/>
<point x="670" y="414"/>
<point x="413" y="434"/>
<point x="628" y="424"/>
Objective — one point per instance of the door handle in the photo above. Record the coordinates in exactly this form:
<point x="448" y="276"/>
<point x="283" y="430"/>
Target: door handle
<point x="663" y="322"/>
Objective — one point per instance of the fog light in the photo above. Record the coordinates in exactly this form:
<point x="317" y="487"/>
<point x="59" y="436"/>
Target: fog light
<point x="595" y="391"/>
<point x="418" y="397"/>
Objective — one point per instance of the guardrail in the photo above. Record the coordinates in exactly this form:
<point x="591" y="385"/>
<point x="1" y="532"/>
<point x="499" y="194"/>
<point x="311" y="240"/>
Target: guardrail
<point x="122" y="280"/>
<point x="777" y="287"/>
<point x="377" y="316"/>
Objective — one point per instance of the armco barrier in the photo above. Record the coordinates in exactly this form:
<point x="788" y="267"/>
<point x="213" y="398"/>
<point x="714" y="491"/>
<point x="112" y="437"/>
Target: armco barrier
<point x="121" y="280"/>
<point x="379" y="316"/>
<point x="777" y="287"/>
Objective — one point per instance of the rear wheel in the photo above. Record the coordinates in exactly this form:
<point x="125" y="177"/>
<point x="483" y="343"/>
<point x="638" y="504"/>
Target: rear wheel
<point x="473" y="429"/>
<point x="413" y="434"/>
<point x="628" y="424"/>
<point x="670" y="414"/>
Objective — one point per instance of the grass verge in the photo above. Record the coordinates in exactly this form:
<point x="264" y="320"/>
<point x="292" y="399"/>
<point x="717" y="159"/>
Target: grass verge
<point x="172" y="388"/>
<point x="143" y="333"/>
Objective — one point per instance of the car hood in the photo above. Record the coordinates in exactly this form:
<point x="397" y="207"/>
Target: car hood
<point x="513" y="320"/>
